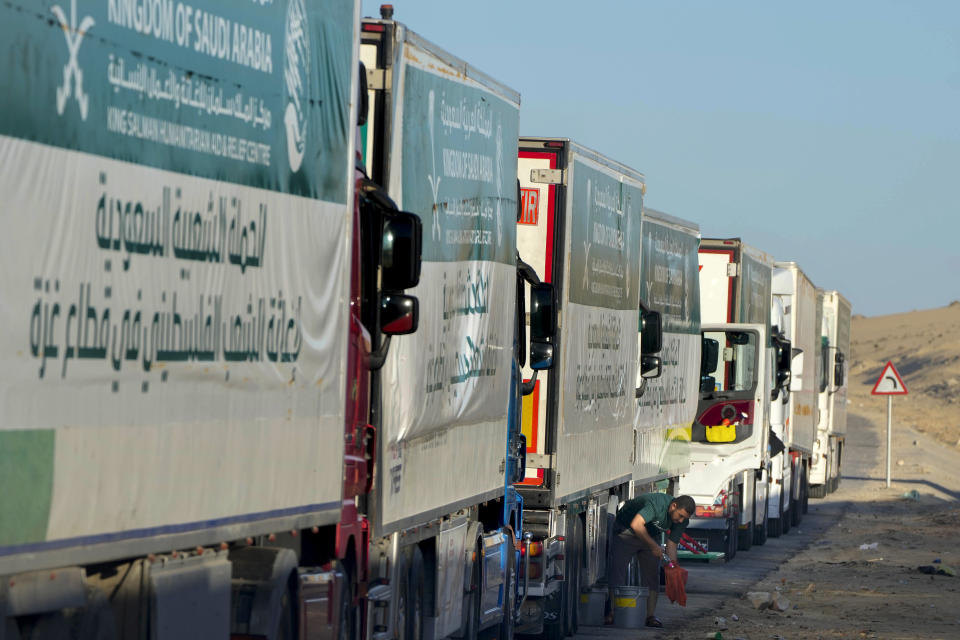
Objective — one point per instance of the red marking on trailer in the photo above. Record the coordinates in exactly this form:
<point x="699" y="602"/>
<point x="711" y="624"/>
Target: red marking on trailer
<point x="530" y="201"/>
<point x="551" y="198"/>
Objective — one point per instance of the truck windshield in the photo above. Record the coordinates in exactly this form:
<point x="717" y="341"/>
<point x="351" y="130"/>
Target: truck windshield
<point x="737" y="365"/>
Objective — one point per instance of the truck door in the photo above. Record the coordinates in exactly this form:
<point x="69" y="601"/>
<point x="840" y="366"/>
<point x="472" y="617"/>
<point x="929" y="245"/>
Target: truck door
<point x="536" y="228"/>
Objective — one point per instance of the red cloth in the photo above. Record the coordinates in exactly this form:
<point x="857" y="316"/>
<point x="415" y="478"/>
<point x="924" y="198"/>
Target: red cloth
<point x="676" y="578"/>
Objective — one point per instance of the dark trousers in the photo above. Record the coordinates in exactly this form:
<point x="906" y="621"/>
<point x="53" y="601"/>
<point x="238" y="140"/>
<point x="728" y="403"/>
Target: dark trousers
<point x="623" y="547"/>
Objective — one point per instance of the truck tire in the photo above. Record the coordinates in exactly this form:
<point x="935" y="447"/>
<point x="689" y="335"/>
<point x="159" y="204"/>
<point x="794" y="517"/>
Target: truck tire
<point x="733" y="530"/>
<point x="760" y="531"/>
<point x="805" y="491"/>
<point x="785" y="517"/>
<point x="796" y="509"/>
<point x="348" y="623"/>
<point x="505" y="632"/>
<point x="471" y="601"/>
<point x="745" y="538"/>
<point x="760" y="518"/>
<point x="555" y="630"/>
<point x="573" y="564"/>
<point x="818" y="491"/>
<point x="402" y="630"/>
<point x="417" y="596"/>
<point x="776" y="524"/>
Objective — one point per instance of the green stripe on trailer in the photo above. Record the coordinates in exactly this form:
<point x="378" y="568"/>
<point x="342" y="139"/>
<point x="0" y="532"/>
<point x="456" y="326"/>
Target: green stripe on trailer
<point x="26" y="478"/>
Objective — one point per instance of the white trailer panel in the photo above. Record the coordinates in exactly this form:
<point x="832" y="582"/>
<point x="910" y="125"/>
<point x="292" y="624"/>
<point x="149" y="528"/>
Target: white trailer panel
<point x="597" y="261"/>
<point x="452" y="160"/>
<point x="175" y="278"/>
<point x="838" y="336"/>
<point x="799" y="297"/>
<point x="669" y="272"/>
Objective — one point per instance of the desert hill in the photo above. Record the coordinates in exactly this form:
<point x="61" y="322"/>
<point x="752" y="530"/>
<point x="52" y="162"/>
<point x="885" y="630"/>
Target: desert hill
<point x="925" y="348"/>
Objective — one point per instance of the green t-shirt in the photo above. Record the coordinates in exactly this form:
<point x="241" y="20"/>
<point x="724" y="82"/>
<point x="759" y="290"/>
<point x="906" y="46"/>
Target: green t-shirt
<point x="653" y="508"/>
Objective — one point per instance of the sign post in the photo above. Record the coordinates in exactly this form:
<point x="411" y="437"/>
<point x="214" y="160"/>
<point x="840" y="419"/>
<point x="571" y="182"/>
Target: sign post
<point x="889" y="384"/>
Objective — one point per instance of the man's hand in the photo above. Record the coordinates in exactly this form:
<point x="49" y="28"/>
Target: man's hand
<point x="672" y="551"/>
<point x="638" y="524"/>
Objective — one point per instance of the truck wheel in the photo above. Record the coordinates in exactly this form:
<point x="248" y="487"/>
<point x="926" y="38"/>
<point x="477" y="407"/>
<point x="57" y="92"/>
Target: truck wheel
<point x="417" y="597"/>
<point x="509" y="595"/>
<point x="733" y="530"/>
<point x="796" y="505"/>
<point x="760" y="517"/>
<point x="745" y="537"/>
<point x="760" y="531"/>
<point x="776" y="524"/>
<point x="785" y="516"/>
<point x="348" y="619"/>
<point x="555" y="630"/>
<point x="471" y="603"/>
<point x="805" y="488"/>
<point x="575" y="542"/>
<point x="818" y="491"/>
<point x="402" y="630"/>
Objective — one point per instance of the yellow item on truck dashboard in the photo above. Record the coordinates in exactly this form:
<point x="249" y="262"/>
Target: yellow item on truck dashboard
<point x="722" y="433"/>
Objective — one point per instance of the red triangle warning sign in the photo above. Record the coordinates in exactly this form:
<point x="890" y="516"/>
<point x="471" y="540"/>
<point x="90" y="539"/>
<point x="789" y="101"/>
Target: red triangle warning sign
<point x="890" y="383"/>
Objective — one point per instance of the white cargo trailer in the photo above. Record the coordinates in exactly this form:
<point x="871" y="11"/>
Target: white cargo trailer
<point x="667" y="405"/>
<point x="445" y="522"/>
<point x="580" y="226"/>
<point x="179" y="328"/>
<point x="797" y="297"/>
<point x="832" y="426"/>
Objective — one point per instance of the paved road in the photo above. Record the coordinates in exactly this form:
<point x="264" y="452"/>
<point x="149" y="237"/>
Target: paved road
<point x="709" y="585"/>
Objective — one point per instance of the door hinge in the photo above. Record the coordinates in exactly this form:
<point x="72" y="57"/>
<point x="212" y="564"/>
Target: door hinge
<point x="733" y="269"/>
<point x="548" y="176"/>
<point x="379" y="79"/>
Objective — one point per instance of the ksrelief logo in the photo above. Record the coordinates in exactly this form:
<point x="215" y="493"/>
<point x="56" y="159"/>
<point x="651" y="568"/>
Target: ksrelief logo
<point x="296" y="74"/>
<point x="72" y="70"/>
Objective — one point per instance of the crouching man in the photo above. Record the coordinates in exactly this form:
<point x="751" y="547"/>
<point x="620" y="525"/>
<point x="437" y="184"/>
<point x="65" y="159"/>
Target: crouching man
<point x="637" y="530"/>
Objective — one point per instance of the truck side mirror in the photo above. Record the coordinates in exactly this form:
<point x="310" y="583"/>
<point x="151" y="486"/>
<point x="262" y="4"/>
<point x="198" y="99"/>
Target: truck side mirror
<point x="400" y="251"/>
<point x="710" y="357"/>
<point x="783" y="379"/>
<point x="838" y="370"/>
<point x="543" y="317"/>
<point x="399" y="314"/>
<point x="543" y="325"/>
<point x="541" y="356"/>
<point x="651" y="332"/>
<point x="651" y="366"/>
<point x="708" y="384"/>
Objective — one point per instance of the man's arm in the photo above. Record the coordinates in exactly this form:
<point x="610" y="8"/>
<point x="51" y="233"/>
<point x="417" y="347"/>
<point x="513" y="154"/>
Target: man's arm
<point x="638" y="524"/>
<point x="672" y="551"/>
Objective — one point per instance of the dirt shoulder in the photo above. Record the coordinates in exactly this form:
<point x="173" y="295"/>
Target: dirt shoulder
<point x="835" y="588"/>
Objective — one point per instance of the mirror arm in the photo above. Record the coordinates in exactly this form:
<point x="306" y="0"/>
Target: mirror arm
<point x="527" y="272"/>
<point x="639" y="390"/>
<point x="526" y="388"/>
<point x="378" y="358"/>
<point x="377" y="194"/>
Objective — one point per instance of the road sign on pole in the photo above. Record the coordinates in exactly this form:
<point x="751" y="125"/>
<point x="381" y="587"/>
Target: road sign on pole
<point x="889" y="384"/>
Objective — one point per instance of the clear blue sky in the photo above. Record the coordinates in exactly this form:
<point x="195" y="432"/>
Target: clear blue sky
<point x="822" y="132"/>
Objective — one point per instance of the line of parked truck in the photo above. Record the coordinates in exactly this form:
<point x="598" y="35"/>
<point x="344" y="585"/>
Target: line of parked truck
<point x="304" y="340"/>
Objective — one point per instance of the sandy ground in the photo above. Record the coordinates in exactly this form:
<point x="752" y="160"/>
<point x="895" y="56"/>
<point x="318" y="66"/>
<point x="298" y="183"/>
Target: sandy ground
<point x="924" y="346"/>
<point x="838" y="590"/>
